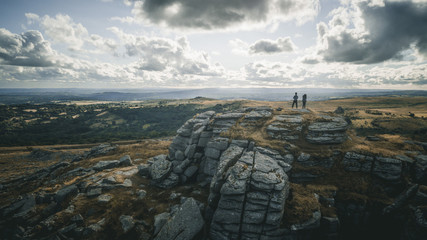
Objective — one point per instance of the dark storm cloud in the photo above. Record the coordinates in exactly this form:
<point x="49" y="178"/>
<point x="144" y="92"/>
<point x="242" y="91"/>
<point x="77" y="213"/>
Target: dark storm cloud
<point x="26" y="49"/>
<point x="208" y="14"/>
<point x="270" y="46"/>
<point x="392" y="28"/>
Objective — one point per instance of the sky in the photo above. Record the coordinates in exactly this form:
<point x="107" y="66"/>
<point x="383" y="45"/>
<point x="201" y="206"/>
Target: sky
<point x="351" y="44"/>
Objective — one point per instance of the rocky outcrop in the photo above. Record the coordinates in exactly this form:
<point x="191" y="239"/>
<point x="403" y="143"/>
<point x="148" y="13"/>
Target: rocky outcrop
<point x="307" y="160"/>
<point x="286" y="127"/>
<point x="420" y="169"/>
<point x="213" y="151"/>
<point x="160" y="168"/>
<point x="96" y="151"/>
<point x="355" y="162"/>
<point x="125" y="161"/>
<point x="66" y="192"/>
<point x="327" y="130"/>
<point x="248" y="184"/>
<point x="388" y="169"/>
<point x="101" y="165"/>
<point x="223" y="122"/>
<point x="252" y="199"/>
<point x="185" y="223"/>
<point x="20" y="208"/>
<point x="258" y="114"/>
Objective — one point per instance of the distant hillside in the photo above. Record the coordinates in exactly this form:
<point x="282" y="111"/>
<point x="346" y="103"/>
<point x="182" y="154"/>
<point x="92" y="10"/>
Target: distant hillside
<point x="19" y="96"/>
<point x="41" y="124"/>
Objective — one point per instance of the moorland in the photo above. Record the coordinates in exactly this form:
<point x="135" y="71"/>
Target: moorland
<point x="61" y="177"/>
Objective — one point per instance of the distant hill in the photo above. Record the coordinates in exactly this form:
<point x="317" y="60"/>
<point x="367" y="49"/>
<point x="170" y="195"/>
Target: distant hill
<point x="19" y="96"/>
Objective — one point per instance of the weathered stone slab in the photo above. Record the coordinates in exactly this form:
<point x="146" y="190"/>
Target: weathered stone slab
<point x="285" y="127"/>
<point x="355" y="162"/>
<point x="186" y="223"/>
<point x="102" y="165"/>
<point x="160" y="169"/>
<point x="387" y="168"/>
<point x="327" y="130"/>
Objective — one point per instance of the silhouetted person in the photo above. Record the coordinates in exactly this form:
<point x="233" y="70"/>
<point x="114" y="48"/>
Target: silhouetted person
<point x="295" y="101"/>
<point x="304" y="100"/>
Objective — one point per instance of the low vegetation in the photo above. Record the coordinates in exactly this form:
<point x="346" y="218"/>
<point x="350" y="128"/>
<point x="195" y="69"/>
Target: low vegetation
<point x="47" y="124"/>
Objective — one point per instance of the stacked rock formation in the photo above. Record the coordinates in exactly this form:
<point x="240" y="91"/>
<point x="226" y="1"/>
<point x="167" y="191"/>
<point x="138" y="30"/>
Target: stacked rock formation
<point x="185" y="152"/>
<point x="251" y="200"/>
<point x="285" y="127"/>
<point x="249" y="184"/>
<point x="327" y="130"/>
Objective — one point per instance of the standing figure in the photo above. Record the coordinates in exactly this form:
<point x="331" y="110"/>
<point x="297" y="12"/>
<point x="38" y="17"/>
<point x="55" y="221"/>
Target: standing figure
<point x="304" y="100"/>
<point x="295" y="101"/>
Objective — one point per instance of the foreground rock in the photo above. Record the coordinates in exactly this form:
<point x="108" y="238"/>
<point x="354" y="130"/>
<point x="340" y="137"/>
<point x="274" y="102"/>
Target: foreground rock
<point x="290" y="178"/>
<point x="186" y="223"/>
<point x="252" y="199"/>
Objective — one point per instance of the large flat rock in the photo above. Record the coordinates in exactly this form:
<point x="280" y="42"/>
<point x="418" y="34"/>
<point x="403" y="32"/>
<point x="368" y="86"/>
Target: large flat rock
<point x="327" y="130"/>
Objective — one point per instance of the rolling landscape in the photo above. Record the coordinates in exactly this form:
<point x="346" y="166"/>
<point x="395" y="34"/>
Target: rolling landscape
<point x="213" y="120"/>
<point x="66" y="159"/>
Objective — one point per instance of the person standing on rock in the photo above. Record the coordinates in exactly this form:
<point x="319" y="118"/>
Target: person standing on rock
<point x="295" y="101"/>
<point x="304" y="100"/>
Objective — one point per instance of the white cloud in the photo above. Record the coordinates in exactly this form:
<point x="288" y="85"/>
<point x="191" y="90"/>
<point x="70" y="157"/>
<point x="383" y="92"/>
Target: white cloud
<point x="163" y="54"/>
<point x="326" y="75"/>
<point x="62" y="29"/>
<point x="127" y="19"/>
<point x="26" y="49"/>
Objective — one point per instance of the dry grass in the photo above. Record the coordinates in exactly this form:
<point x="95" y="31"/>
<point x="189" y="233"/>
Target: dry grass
<point x="394" y="104"/>
<point x="257" y="132"/>
<point x="254" y="132"/>
<point x="144" y="150"/>
<point x="300" y="206"/>
<point x="423" y="188"/>
<point x="15" y="163"/>
<point x="390" y="145"/>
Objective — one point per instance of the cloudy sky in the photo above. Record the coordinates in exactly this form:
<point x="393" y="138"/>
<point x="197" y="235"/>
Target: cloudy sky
<point x="214" y="43"/>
